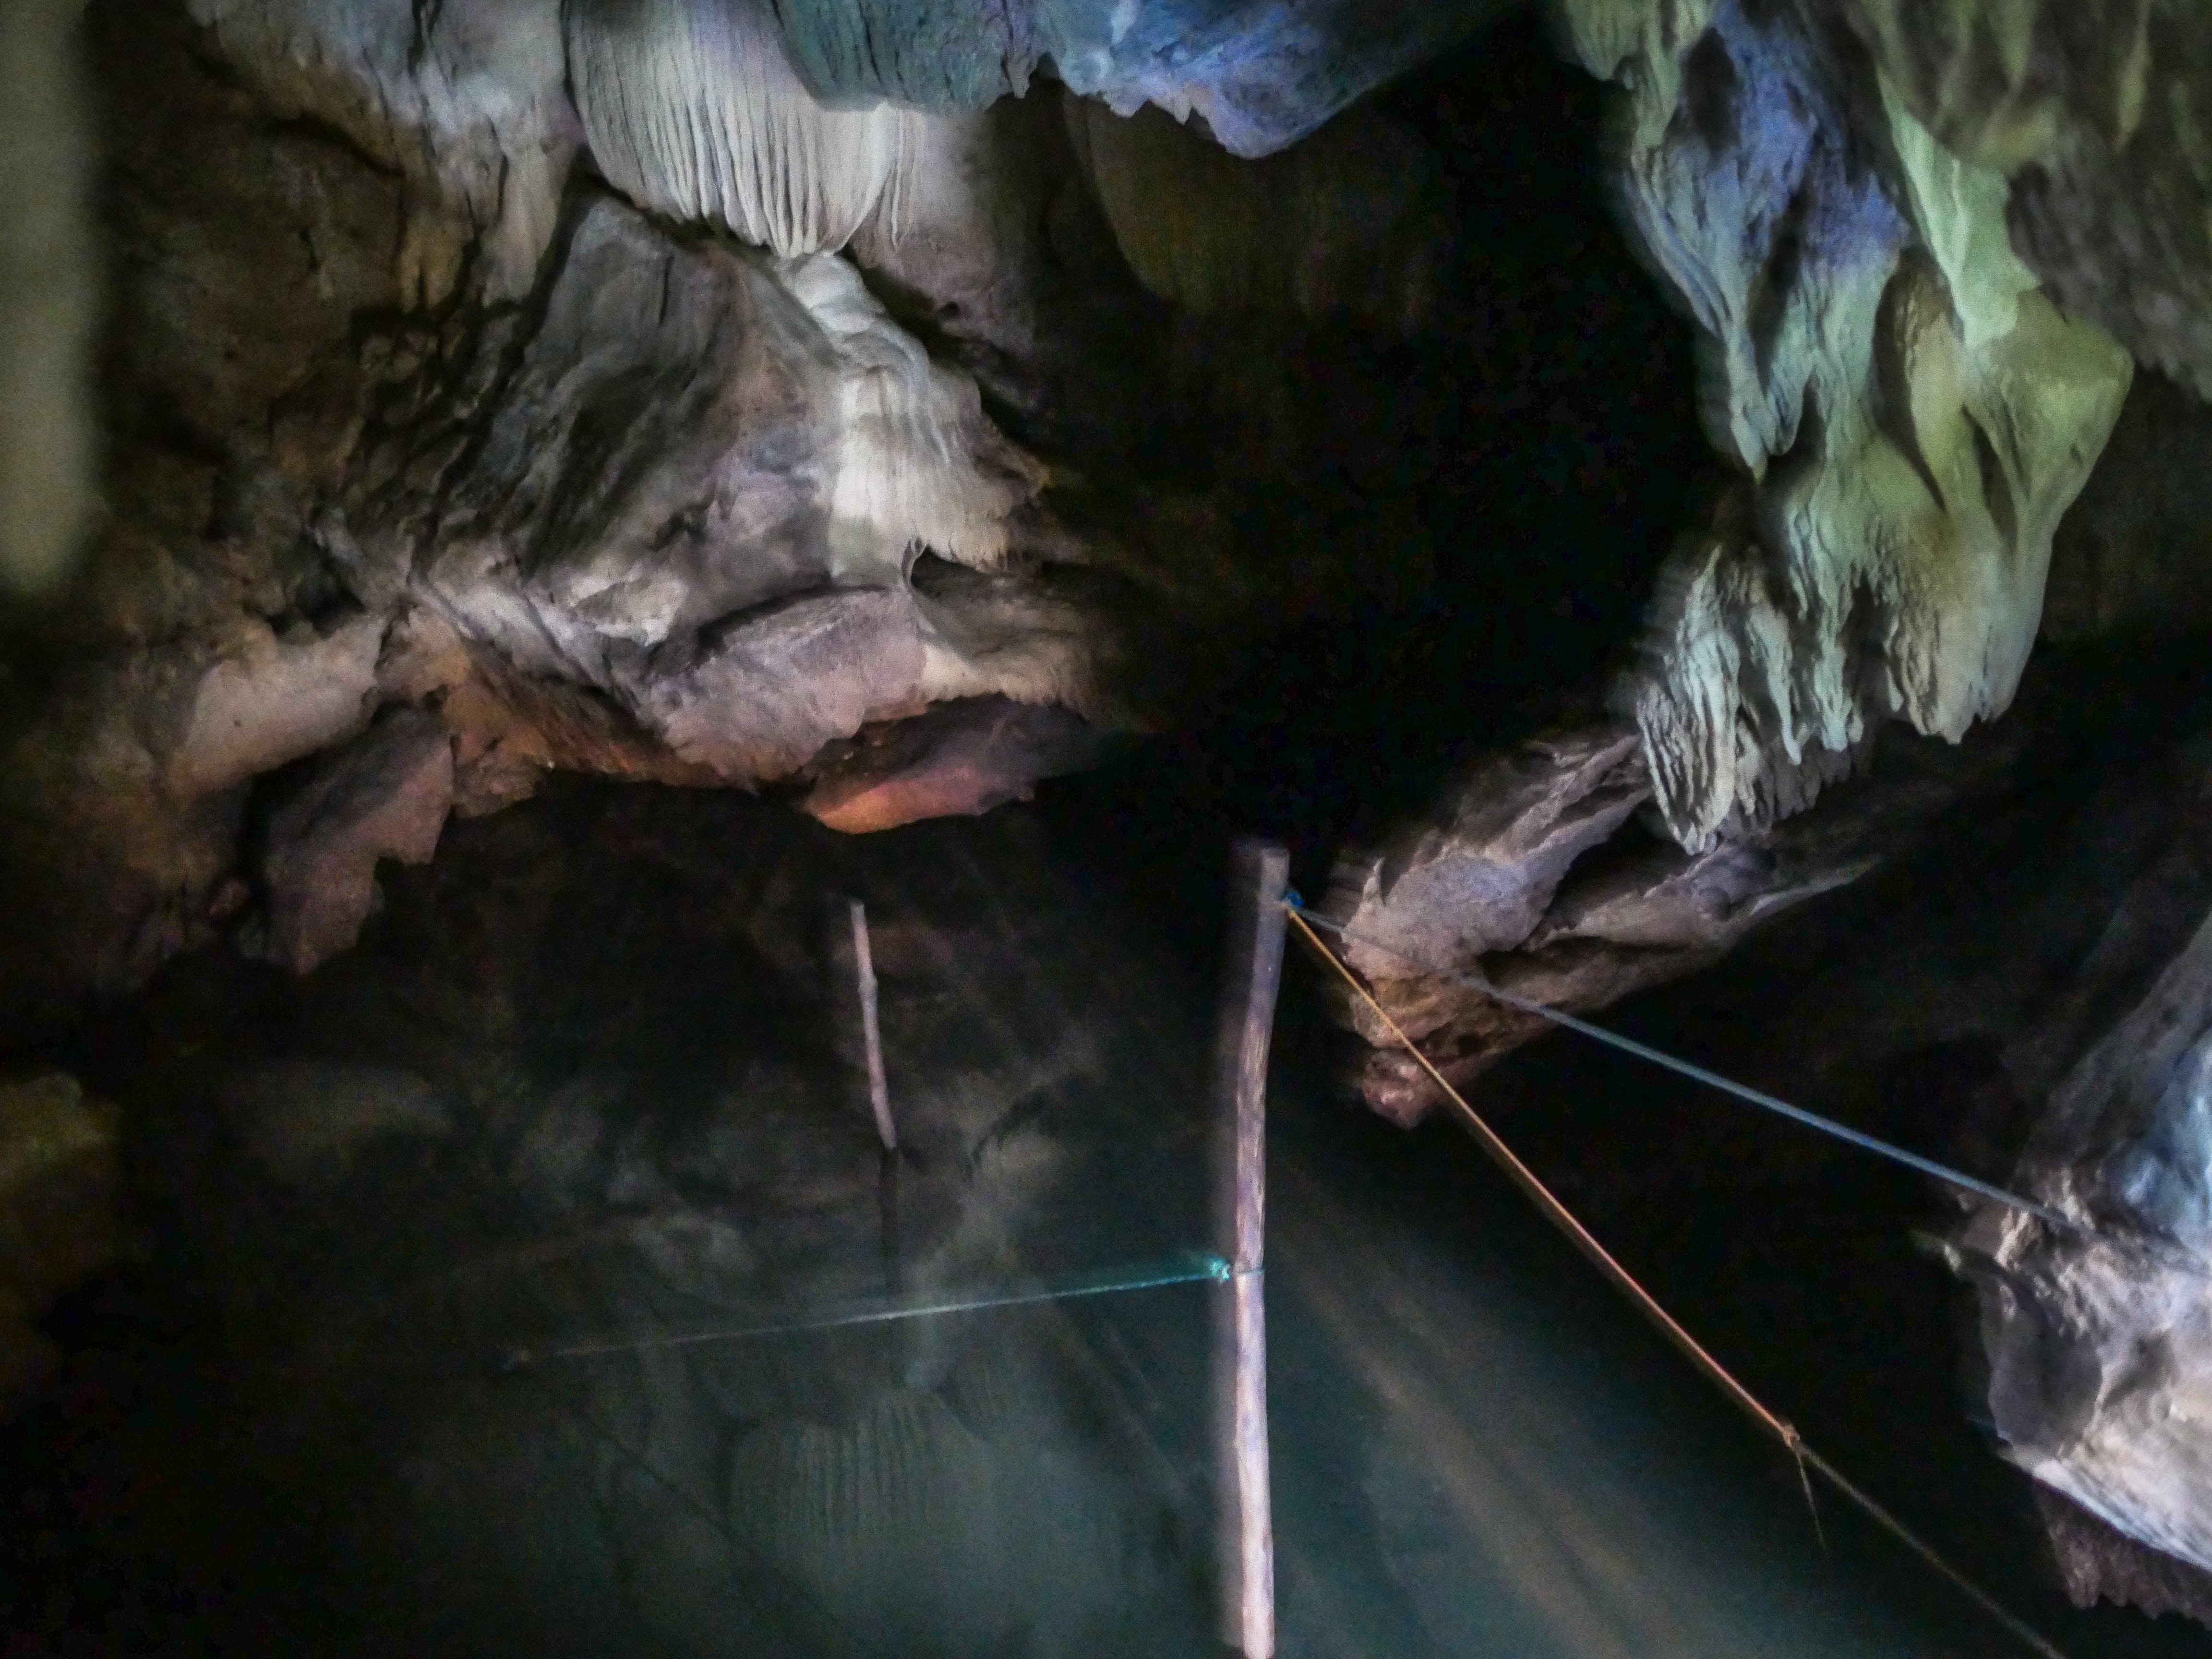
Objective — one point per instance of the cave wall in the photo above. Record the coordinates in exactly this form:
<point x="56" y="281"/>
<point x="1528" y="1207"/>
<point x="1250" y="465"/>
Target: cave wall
<point x="858" y="449"/>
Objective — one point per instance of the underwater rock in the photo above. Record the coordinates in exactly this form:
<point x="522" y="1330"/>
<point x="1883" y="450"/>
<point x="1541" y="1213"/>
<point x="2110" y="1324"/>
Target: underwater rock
<point x="305" y="1122"/>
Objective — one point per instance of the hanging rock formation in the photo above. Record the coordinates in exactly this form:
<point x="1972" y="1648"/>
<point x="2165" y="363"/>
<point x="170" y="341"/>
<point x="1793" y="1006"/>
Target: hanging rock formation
<point x="1860" y="205"/>
<point x="646" y="480"/>
<point x="1912" y="415"/>
<point x="1543" y="875"/>
<point x="2096" y="113"/>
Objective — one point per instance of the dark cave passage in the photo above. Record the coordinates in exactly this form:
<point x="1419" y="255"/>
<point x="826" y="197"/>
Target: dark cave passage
<point x="1527" y="463"/>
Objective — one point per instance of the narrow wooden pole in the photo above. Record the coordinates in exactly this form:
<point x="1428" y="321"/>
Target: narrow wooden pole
<point x="1260" y="876"/>
<point x="879" y="1094"/>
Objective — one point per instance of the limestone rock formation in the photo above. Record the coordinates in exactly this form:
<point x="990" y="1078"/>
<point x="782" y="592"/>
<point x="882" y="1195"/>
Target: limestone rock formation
<point x="466" y="105"/>
<point x="384" y="797"/>
<point x="896" y="403"/>
<point x="1910" y="412"/>
<point x="696" y="489"/>
<point x="960" y="757"/>
<point x="2096" y="114"/>
<point x="1864" y="207"/>
<point x="1258" y="76"/>
<point x="450" y="371"/>
<point x="2099" y="1343"/>
<point x="1543" y="874"/>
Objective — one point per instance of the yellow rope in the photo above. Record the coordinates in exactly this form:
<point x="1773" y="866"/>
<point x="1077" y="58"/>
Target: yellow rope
<point x="1585" y="1241"/>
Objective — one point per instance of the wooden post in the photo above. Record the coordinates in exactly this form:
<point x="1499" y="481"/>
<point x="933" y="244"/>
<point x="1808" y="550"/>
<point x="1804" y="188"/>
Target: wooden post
<point x="879" y="1095"/>
<point x="1260" y="876"/>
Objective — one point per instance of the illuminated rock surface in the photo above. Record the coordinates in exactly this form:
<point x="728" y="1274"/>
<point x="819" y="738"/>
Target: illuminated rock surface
<point x="2100" y="1348"/>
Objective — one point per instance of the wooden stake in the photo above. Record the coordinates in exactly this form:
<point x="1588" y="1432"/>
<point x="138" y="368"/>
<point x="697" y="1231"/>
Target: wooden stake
<point x="879" y="1094"/>
<point x="1259" y="878"/>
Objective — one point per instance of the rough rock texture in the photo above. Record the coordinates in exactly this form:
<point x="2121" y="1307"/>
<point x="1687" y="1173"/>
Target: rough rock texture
<point x="402" y="413"/>
<point x="384" y="797"/>
<point x="1912" y="415"/>
<point x="959" y="758"/>
<point x="697" y="112"/>
<point x="1538" y="875"/>
<point x="2099" y="1563"/>
<point x="2100" y="1346"/>
<point x="2097" y="112"/>
<point x="695" y="484"/>
<point x="1826" y="186"/>
<point x="465" y="104"/>
<point x="766" y="118"/>
<point x="442" y="376"/>
<point x="1259" y="75"/>
<point x="202" y="639"/>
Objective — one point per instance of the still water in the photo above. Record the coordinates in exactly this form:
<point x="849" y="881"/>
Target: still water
<point x="591" y="1078"/>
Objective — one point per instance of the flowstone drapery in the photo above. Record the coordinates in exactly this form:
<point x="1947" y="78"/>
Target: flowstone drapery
<point x="1910" y="413"/>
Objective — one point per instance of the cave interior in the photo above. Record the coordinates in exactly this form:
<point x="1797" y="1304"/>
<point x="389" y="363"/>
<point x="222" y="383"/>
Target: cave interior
<point x="515" y="517"/>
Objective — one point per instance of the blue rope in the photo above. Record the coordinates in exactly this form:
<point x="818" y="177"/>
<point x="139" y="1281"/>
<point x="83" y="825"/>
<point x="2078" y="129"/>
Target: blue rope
<point x="1182" y="1270"/>
<point x="1711" y="1080"/>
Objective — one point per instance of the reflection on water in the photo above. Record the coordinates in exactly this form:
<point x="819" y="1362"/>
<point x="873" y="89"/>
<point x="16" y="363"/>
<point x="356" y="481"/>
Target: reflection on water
<point x="589" y="1081"/>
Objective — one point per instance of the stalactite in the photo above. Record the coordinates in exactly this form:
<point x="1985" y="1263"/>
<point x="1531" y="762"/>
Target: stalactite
<point x="694" y="110"/>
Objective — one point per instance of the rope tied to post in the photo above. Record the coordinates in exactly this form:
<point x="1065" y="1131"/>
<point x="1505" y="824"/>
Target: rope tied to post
<point x="1696" y="1073"/>
<point x="1586" y="1242"/>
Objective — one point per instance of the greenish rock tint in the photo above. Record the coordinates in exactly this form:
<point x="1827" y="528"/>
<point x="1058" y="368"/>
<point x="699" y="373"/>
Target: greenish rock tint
<point x="2097" y="114"/>
<point x="1910" y="413"/>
